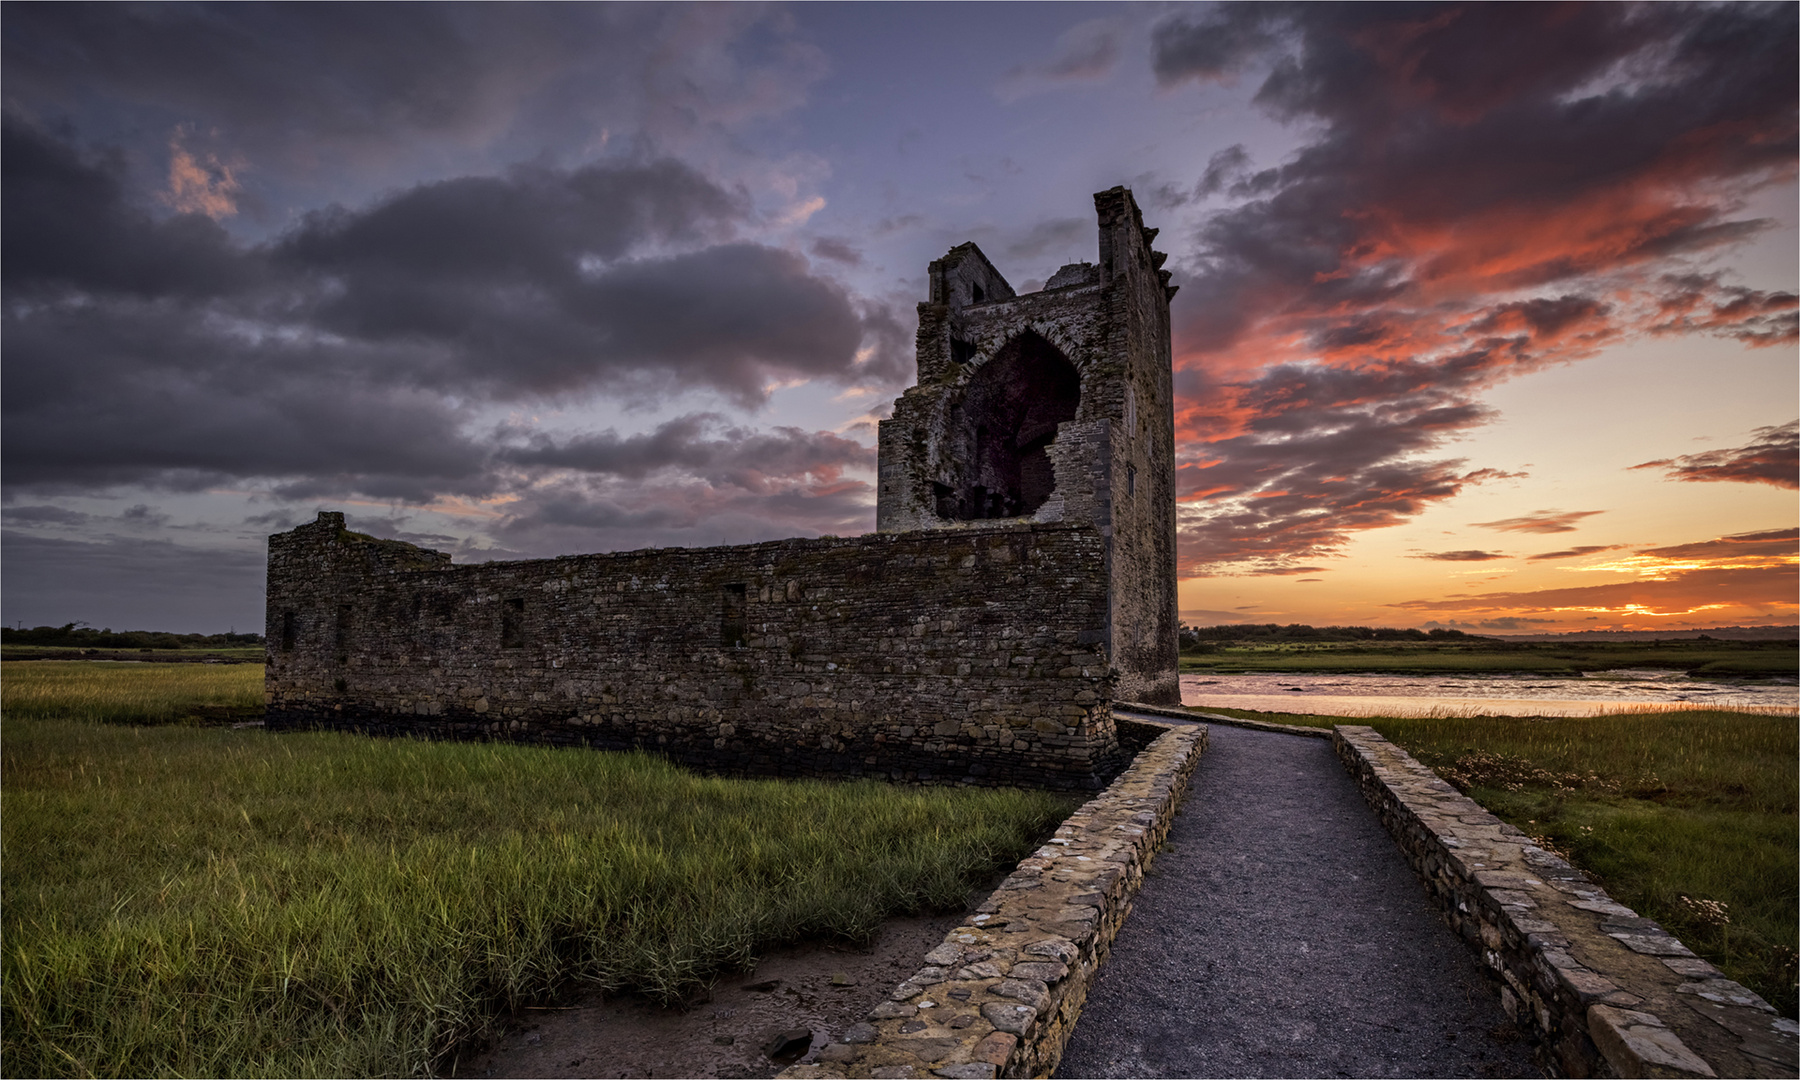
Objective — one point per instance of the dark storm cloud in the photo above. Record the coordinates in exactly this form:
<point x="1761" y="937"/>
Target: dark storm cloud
<point x="1321" y="454"/>
<point x="694" y="480"/>
<point x="1056" y="234"/>
<point x="316" y="95"/>
<point x="703" y="445"/>
<point x="1217" y="45"/>
<point x="44" y="515"/>
<point x="1223" y="167"/>
<point x="532" y="224"/>
<point x="71" y="228"/>
<point x="1475" y="180"/>
<point x="340" y="70"/>
<point x="132" y="584"/>
<point x="1771" y="546"/>
<point x="1773" y="457"/>
<point x="1702" y="304"/>
<point x="586" y="513"/>
<point x="1085" y="52"/>
<point x="837" y="249"/>
<point x="350" y="354"/>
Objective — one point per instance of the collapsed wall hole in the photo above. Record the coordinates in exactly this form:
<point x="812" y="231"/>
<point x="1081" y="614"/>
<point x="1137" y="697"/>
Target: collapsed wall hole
<point x="996" y="465"/>
<point x="733" y="627"/>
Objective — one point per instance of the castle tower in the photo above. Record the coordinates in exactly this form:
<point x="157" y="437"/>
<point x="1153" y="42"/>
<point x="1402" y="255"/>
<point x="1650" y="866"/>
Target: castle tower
<point x="1055" y="406"/>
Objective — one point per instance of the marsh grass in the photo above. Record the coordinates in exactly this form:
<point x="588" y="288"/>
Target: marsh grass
<point x="186" y="900"/>
<point x="1688" y="816"/>
<point x="1703" y="658"/>
<point x="125" y="692"/>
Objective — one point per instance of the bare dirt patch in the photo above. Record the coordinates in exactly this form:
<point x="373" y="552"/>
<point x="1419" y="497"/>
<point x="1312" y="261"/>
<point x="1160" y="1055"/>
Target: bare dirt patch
<point x="811" y="993"/>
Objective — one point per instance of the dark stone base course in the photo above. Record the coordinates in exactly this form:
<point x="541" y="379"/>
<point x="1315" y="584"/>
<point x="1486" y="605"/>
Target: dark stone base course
<point x="984" y="768"/>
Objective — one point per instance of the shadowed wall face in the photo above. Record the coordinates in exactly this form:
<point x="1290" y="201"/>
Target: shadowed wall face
<point x="974" y="656"/>
<point x="1022" y="579"/>
<point x="1053" y="406"/>
<point x="997" y="465"/>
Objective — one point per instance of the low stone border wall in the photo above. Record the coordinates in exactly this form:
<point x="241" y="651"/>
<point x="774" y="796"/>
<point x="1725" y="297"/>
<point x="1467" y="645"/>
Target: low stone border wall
<point x="1001" y="995"/>
<point x="1610" y="993"/>
<point x="1216" y="718"/>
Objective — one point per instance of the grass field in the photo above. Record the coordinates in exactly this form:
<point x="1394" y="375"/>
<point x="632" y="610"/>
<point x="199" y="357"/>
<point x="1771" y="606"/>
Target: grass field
<point x="128" y="693"/>
<point x="190" y="900"/>
<point x="1660" y="806"/>
<point x="1703" y="658"/>
<point x="245" y="654"/>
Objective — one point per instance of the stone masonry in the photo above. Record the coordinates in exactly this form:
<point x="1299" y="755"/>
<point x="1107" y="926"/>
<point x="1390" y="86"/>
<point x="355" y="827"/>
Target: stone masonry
<point x="1001" y="995"/>
<point x="1056" y="406"/>
<point x="1607" y="991"/>
<point x="1022" y="575"/>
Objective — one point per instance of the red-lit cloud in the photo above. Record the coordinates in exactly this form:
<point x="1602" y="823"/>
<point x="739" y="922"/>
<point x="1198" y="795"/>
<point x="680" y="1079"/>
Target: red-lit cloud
<point x="1748" y="577"/>
<point x="1574" y="552"/>
<point x="1543" y="521"/>
<point x="1773" y="457"/>
<point x="1490" y="190"/>
<point x="1461" y="556"/>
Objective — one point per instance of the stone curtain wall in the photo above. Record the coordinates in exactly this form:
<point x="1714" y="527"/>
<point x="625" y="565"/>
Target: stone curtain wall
<point x="1608" y="992"/>
<point x="973" y="655"/>
<point x="1001" y="995"/>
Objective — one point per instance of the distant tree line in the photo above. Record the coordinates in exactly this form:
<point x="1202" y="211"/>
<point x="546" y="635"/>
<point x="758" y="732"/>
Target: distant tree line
<point x="77" y="636"/>
<point x="1196" y="636"/>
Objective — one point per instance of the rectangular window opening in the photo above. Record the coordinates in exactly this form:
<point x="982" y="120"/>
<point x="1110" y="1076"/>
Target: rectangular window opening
<point x="288" y="631"/>
<point x="512" y="624"/>
<point x="732" y="627"/>
<point x="1131" y="479"/>
<point x="340" y="637"/>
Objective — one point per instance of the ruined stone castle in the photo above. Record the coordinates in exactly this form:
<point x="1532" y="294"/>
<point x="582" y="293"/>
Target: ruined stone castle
<point x="1021" y="578"/>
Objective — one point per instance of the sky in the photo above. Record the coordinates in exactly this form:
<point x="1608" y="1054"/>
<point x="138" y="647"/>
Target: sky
<point x="1487" y="315"/>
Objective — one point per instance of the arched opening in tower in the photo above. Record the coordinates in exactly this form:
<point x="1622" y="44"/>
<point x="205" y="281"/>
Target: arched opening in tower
<point x="997" y="462"/>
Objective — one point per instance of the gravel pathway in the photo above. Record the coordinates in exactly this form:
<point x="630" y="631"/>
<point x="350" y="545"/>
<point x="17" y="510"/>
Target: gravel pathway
<point x="1282" y="933"/>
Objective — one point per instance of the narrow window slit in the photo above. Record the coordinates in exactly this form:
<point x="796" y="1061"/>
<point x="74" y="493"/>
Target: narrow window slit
<point x="512" y="624"/>
<point x="732" y="627"/>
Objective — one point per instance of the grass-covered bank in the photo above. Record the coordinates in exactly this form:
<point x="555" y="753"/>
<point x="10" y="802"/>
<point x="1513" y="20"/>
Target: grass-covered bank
<point x="186" y="900"/>
<point x="128" y="693"/>
<point x="1688" y="817"/>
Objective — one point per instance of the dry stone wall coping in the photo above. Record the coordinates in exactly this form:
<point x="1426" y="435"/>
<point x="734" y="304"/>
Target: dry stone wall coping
<point x="1608" y="992"/>
<point x="1001" y="995"/>
<point x="1216" y="718"/>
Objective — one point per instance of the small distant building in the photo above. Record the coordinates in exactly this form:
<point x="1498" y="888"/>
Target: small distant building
<point x="1021" y="578"/>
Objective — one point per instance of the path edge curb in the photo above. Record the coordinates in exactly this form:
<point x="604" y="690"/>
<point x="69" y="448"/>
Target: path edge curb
<point x="1001" y="995"/>
<point x="1193" y="717"/>
<point x="1607" y="992"/>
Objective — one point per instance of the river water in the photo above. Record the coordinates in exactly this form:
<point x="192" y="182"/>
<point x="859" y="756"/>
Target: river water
<point x="1621" y="690"/>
